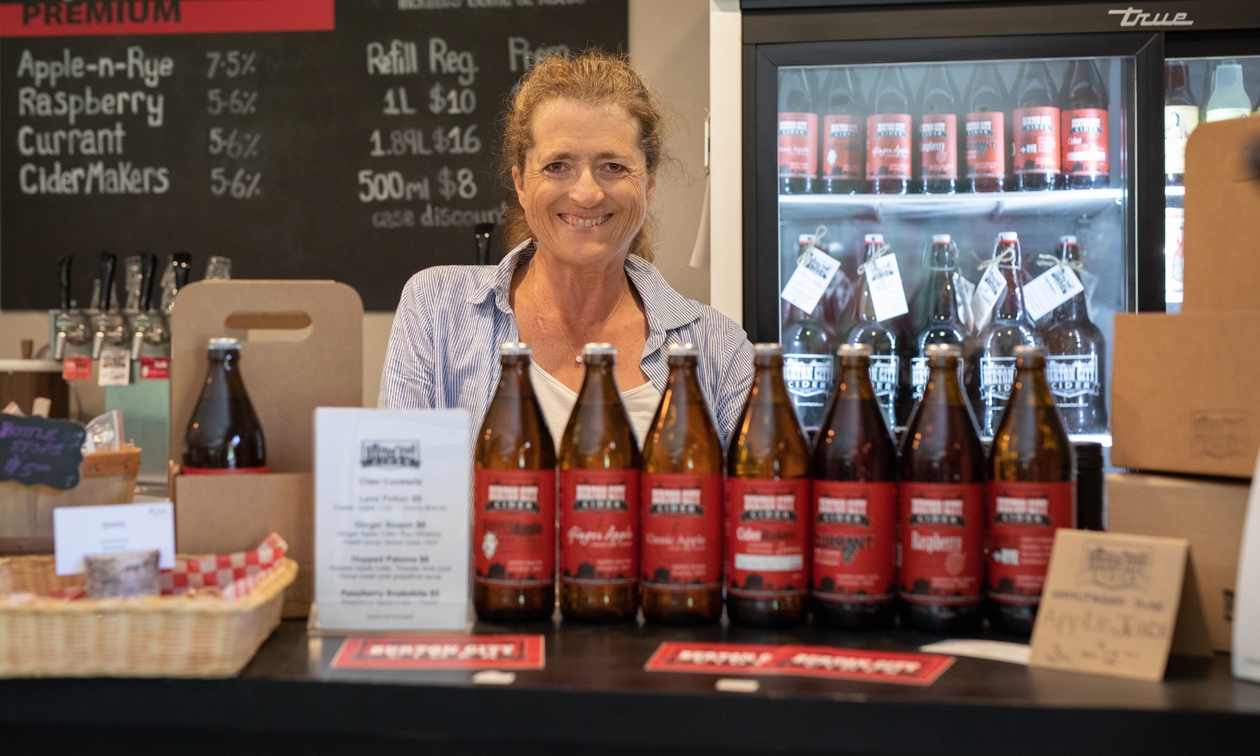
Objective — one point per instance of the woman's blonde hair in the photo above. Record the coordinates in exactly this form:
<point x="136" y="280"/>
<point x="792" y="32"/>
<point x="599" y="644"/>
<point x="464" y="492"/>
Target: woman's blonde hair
<point x="594" y="77"/>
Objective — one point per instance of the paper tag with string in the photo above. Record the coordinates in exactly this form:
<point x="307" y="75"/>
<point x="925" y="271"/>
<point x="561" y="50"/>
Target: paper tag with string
<point x="1050" y="289"/>
<point x="989" y="290"/>
<point x="813" y="273"/>
<point x="964" y="290"/>
<point x="883" y="280"/>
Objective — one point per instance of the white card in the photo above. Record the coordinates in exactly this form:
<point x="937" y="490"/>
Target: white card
<point x="964" y="290"/>
<point x="1049" y="290"/>
<point x="112" y="529"/>
<point x="809" y="282"/>
<point x="887" y="294"/>
<point x="115" y="368"/>
<point x="990" y="289"/>
<point x="1004" y="651"/>
<point x="392" y="531"/>
<point x="1246" y="653"/>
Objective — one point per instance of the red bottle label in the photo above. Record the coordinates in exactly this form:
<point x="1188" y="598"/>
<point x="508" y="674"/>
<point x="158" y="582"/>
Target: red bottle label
<point x="938" y="146"/>
<point x="1022" y="521"/>
<point x="942" y="542"/>
<point x="1085" y="142"/>
<point x="986" y="145"/>
<point x="798" y="145"/>
<point x="1037" y="140"/>
<point x="767" y="535"/>
<point x="855" y="541"/>
<point x="599" y="525"/>
<point x="842" y="147"/>
<point x="514" y="527"/>
<point x="76" y="369"/>
<point x="682" y="531"/>
<point x="155" y="368"/>
<point x="888" y="146"/>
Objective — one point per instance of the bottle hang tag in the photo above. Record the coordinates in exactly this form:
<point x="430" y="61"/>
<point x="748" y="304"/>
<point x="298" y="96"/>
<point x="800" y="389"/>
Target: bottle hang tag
<point x="115" y="368"/>
<point x="887" y="294"/>
<point x="989" y="290"/>
<point x="1050" y="289"/>
<point x="964" y="290"/>
<point x="810" y="280"/>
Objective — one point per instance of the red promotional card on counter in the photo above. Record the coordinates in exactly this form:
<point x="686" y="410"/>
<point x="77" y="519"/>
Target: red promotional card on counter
<point x="410" y="652"/>
<point x="800" y="661"/>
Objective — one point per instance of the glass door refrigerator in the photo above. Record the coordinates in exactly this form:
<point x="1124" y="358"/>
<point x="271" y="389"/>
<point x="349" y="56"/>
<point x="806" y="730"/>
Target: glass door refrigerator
<point x="985" y="174"/>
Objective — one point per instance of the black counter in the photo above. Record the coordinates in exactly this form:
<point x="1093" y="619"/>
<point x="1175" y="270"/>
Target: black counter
<point x="595" y="698"/>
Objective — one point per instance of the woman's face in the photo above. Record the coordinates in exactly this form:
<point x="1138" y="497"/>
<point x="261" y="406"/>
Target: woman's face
<point x="585" y="187"/>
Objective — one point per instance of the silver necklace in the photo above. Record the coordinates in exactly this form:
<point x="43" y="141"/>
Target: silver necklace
<point x="563" y="333"/>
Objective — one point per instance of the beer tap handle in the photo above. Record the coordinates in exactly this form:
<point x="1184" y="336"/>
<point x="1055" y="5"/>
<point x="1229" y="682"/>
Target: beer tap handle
<point x="482" y="233"/>
<point x="183" y="266"/>
<point x="63" y="279"/>
<point x="108" y="262"/>
<point x="148" y="266"/>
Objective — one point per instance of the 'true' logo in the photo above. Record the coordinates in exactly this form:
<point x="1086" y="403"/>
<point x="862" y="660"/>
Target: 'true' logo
<point x="1137" y="17"/>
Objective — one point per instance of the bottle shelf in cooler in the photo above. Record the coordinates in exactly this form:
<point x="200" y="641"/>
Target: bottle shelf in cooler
<point x="815" y="207"/>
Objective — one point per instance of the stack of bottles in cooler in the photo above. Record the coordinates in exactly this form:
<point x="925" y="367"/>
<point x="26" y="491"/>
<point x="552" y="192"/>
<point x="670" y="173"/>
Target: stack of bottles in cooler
<point x="770" y="528"/>
<point x="1075" y="346"/>
<point x="1037" y="136"/>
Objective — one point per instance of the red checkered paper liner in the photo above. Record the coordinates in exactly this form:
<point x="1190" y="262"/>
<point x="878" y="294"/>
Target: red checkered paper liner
<point x="901" y="668"/>
<point x="236" y="574"/>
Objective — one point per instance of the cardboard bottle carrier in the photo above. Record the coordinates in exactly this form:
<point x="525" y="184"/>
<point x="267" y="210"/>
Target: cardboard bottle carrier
<point x="301" y="348"/>
<point x="1184" y="393"/>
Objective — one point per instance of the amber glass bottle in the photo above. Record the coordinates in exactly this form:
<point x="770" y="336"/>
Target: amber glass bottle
<point x="514" y="495"/>
<point x="767" y="503"/>
<point x="599" y="499"/>
<point x="1032" y="492"/>
<point x="942" y="504"/>
<point x="681" y="553"/>
<point x="224" y="436"/>
<point x="854" y="515"/>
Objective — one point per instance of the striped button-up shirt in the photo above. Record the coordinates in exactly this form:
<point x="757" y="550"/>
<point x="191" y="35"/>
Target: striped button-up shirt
<point x="443" y="349"/>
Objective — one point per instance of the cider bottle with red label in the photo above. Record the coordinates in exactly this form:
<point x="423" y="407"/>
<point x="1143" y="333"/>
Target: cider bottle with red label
<point x="986" y="130"/>
<point x="938" y="133"/>
<point x="1084" y="128"/>
<point x="798" y="135"/>
<point x="1031" y="493"/>
<point x="843" y="146"/>
<point x="854" y="514"/>
<point x="942" y="504"/>
<point x="514" y="500"/>
<point x="888" y="160"/>
<point x="599" y="499"/>
<point x="767" y="503"/>
<point x="1036" y="127"/>
<point x="681" y="510"/>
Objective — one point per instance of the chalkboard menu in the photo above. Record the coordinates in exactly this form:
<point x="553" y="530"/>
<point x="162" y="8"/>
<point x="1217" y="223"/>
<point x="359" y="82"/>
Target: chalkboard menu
<point x="34" y="450"/>
<point x="352" y="140"/>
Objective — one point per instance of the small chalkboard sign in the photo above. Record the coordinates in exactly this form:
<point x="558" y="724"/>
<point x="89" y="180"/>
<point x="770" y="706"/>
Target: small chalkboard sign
<point x="34" y="450"/>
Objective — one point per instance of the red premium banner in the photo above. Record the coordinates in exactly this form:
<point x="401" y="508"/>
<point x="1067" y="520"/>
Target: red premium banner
<point x="410" y="652"/>
<point x="77" y="18"/>
<point x="800" y="661"/>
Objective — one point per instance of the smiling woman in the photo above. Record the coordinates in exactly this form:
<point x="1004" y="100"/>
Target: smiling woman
<point x="582" y="148"/>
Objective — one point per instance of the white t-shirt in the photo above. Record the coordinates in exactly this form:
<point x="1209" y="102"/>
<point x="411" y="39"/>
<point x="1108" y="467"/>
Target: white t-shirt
<point x="557" y="400"/>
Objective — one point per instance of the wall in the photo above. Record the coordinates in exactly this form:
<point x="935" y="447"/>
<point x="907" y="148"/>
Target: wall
<point x="669" y="44"/>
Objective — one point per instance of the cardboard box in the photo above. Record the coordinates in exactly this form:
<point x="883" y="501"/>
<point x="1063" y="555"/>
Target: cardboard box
<point x="301" y="348"/>
<point x="1184" y="394"/>
<point x="1208" y="513"/>
<point x="1222" y="268"/>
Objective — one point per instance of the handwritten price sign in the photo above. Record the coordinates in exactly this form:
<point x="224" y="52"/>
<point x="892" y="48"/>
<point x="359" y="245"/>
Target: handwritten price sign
<point x="34" y="450"/>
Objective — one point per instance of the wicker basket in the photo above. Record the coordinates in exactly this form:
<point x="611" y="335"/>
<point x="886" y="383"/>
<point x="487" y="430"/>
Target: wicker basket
<point x="169" y="636"/>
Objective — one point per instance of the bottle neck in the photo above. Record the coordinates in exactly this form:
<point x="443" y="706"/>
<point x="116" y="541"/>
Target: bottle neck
<point x="514" y="382"/>
<point x="600" y="383"/>
<point x="942" y="386"/>
<point x="943" y="305"/>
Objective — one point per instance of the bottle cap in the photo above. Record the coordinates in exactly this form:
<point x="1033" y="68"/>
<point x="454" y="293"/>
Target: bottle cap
<point x="1024" y="350"/>
<point x="682" y="350"/>
<point x="854" y="350"/>
<point x="1089" y="455"/>
<point x="515" y="347"/>
<point x="940" y="238"/>
<point x="599" y="348"/>
<point x="942" y="350"/>
<point x="874" y="238"/>
<point x="222" y="345"/>
<point x="805" y="238"/>
<point x="1008" y="236"/>
<point x="835" y="248"/>
<point x="1069" y="239"/>
<point x="763" y="349"/>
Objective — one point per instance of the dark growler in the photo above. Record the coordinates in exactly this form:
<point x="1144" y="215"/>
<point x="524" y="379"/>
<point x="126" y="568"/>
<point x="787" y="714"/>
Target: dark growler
<point x="767" y="503"/>
<point x="599" y="499"/>
<point x="514" y="495"/>
<point x="854" y="514"/>
<point x="1032" y="492"/>
<point x="681" y="554"/>
<point x="942" y="504"/>
<point x="224" y="436"/>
